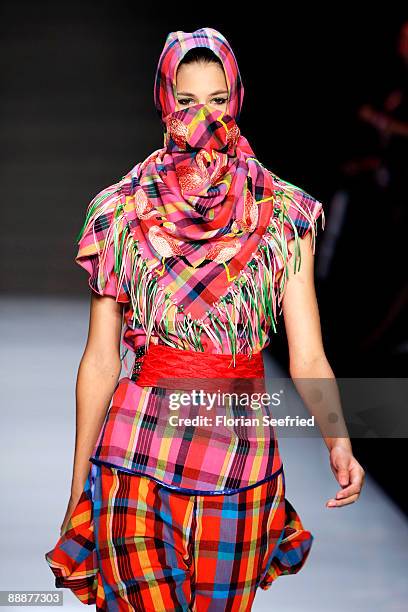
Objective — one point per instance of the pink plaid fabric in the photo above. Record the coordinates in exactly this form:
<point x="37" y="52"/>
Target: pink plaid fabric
<point x="194" y="242"/>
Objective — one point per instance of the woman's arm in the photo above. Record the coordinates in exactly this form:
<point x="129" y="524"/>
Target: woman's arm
<point x="98" y="374"/>
<point x="307" y="360"/>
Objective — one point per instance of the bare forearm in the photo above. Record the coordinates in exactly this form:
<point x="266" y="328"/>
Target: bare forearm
<point x="94" y="388"/>
<point x="317" y="386"/>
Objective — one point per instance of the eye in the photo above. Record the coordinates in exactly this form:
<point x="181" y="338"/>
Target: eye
<point x="184" y="101"/>
<point x="220" y="100"/>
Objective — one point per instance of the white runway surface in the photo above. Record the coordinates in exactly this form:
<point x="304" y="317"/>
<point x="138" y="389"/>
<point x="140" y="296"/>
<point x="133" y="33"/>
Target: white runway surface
<point x="359" y="557"/>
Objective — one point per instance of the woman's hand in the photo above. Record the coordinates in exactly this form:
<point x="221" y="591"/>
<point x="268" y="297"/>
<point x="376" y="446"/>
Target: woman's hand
<point x="308" y="361"/>
<point x="348" y="473"/>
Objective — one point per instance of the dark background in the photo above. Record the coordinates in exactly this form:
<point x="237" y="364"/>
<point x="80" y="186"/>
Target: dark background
<point x="77" y="113"/>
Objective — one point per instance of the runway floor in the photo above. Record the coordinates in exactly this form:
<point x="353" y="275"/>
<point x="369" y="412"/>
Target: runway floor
<point x="359" y="558"/>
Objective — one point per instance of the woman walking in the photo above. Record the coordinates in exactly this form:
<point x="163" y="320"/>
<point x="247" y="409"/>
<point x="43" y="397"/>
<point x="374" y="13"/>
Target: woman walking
<point x="197" y="245"/>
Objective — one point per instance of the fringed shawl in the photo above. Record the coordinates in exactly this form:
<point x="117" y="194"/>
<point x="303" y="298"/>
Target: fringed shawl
<point x="239" y="321"/>
<point x="194" y="239"/>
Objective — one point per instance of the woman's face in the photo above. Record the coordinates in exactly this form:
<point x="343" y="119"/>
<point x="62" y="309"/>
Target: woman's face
<point x="201" y="83"/>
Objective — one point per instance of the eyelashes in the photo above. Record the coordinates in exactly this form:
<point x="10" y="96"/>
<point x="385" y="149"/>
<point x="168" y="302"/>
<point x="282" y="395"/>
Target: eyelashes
<point x="187" y="101"/>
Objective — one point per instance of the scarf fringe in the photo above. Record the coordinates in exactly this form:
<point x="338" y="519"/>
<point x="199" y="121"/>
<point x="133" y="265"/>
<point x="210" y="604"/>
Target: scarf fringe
<point x="252" y="297"/>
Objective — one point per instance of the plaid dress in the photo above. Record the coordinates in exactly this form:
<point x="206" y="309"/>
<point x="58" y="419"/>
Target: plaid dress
<point x="193" y="241"/>
<point x="135" y="434"/>
<point x="239" y="464"/>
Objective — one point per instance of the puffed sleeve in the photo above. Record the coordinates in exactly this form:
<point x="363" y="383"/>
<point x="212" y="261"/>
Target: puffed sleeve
<point x="100" y="245"/>
<point x="299" y="212"/>
<point x="295" y="215"/>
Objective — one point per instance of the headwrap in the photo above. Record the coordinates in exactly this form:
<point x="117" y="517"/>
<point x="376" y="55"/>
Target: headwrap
<point x="196" y="219"/>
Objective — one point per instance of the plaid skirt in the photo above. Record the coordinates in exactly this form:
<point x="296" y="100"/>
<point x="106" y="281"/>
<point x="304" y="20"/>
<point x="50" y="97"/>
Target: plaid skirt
<point x="133" y="544"/>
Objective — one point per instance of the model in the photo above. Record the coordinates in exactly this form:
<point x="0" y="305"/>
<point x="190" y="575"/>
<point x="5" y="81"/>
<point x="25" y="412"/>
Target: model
<point x="191" y="257"/>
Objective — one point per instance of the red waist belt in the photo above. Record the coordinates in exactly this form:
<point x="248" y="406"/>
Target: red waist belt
<point x="169" y="367"/>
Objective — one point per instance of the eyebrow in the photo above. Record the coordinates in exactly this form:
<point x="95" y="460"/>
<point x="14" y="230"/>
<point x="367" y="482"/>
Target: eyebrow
<point x="214" y="93"/>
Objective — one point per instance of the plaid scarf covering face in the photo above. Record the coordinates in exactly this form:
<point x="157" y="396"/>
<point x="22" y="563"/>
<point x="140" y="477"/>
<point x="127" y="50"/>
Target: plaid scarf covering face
<point x="195" y="206"/>
<point x="200" y="205"/>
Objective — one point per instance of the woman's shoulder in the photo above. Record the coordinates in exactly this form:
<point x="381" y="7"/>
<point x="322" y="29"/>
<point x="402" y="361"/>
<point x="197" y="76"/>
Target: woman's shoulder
<point x="98" y="218"/>
<point x="296" y="208"/>
<point x="100" y="241"/>
<point x="105" y="209"/>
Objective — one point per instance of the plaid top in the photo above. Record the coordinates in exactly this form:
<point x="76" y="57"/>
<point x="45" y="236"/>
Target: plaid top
<point x="241" y="320"/>
<point x="193" y="241"/>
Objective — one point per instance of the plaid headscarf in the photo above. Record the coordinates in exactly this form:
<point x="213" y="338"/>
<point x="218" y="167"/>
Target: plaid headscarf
<point x="175" y="48"/>
<point x="200" y="205"/>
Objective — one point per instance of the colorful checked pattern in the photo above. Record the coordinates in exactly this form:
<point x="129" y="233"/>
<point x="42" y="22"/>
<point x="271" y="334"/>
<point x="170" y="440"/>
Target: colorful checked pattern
<point x="132" y="544"/>
<point x="194" y="239"/>
<point x="194" y="242"/>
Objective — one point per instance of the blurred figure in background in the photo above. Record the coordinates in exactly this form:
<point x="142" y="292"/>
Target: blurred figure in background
<point x="367" y="214"/>
<point x="391" y="124"/>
